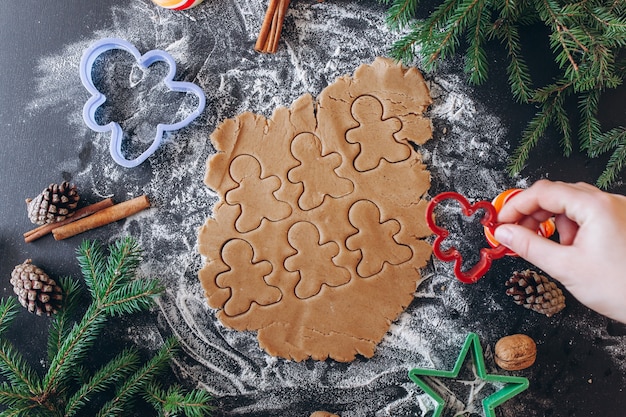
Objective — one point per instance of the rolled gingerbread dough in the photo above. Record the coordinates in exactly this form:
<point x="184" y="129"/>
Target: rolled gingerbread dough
<point x="318" y="236"/>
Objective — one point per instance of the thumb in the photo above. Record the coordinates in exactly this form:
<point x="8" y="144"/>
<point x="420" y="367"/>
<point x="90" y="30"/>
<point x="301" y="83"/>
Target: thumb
<point x="538" y="250"/>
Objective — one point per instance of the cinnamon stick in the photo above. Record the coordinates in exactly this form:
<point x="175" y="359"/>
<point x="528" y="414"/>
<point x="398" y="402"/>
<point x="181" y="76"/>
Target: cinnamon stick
<point x="272" y="26"/>
<point x="102" y="217"/>
<point x="41" y="231"/>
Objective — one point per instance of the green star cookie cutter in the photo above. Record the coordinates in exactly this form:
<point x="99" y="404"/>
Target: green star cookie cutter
<point x="513" y="385"/>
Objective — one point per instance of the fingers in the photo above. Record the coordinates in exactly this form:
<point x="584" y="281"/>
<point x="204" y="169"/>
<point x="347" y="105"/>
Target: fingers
<point x="585" y="186"/>
<point x="535" y="219"/>
<point x="544" y="253"/>
<point x="567" y="229"/>
<point x="545" y="198"/>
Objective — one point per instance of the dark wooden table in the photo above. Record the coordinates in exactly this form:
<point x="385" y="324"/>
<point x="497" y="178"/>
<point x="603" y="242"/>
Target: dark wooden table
<point x="581" y="365"/>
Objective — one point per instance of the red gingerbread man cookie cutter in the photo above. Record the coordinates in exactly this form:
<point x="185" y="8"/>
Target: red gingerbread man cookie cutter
<point x="489" y="222"/>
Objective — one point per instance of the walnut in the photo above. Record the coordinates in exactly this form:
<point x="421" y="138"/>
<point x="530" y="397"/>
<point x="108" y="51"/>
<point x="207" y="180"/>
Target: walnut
<point x="515" y="352"/>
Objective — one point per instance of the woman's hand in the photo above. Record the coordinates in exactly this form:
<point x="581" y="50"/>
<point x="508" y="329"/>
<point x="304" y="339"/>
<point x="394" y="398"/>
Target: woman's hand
<point x="590" y="260"/>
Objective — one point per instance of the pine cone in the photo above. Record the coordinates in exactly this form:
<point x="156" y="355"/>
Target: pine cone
<point x="535" y="292"/>
<point x="35" y="289"/>
<point x="55" y="203"/>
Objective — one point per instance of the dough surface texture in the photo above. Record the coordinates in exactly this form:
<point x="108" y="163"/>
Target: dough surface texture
<point x="319" y="234"/>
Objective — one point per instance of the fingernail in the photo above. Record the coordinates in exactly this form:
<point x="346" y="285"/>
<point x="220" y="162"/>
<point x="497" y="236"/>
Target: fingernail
<point x="503" y="235"/>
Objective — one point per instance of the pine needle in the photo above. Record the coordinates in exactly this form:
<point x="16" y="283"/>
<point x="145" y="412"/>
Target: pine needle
<point x="476" y="57"/>
<point x="14" y="397"/>
<point x="589" y="128"/>
<point x="113" y="372"/>
<point x="614" y="166"/>
<point x="8" y="311"/>
<point x="69" y="385"/>
<point x="532" y="134"/>
<point x="401" y="13"/>
<point x="138" y="380"/>
<point x="91" y="261"/>
<point x="585" y="40"/>
<point x="517" y="70"/>
<point x="29" y="410"/>
<point x="62" y="323"/>
<point x="16" y="369"/>
<point x="132" y="297"/>
<point x="613" y="139"/>
<point x="174" y="401"/>
<point x="123" y="260"/>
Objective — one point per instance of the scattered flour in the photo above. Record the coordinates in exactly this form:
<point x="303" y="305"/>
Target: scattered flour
<point x="212" y="45"/>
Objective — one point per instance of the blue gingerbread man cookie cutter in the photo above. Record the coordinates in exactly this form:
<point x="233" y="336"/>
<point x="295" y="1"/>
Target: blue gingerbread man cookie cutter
<point x="97" y="98"/>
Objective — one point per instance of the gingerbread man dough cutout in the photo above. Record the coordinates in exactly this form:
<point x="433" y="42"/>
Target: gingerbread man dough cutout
<point x="317" y="172"/>
<point x="313" y="261"/>
<point x="375" y="135"/>
<point x="365" y="216"/>
<point x="255" y="195"/>
<point x="245" y="279"/>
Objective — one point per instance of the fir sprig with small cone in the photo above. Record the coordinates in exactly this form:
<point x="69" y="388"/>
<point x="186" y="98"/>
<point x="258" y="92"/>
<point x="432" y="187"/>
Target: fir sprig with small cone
<point x="55" y="203"/>
<point x="67" y="387"/>
<point x="535" y="292"/>
<point x="585" y="38"/>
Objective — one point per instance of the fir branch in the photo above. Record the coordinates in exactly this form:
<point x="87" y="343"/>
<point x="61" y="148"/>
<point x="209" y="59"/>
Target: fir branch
<point x="438" y="18"/>
<point x="123" y="260"/>
<point x="74" y="348"/>
<point x="589" y="124"/>
<point x="91" y="261"/>
<point x="81" y="374"/>
<point x="445" y="42"/>
<point x="62" y="323"/>
<point x="614" y="22"/>
<point x="616" y="162"/>
<point x="132" y="297"/>
<point x="533" y="132"/>
<point x="424" y="35"/>
<point x="509" y="9"/>
<point x="547" y="93"/>
<point x="517" y="70"/>
<point x="8" y="311"/>
<point x="561" y="37"/>
<point x="68" y="385"/>
<point x="22" y="411"/>
<point x="476" y="58"/>
<point x="401" y="13"/>
<point x="23" y="403"/>
<point x="607" y="141"/>
<point x="16" y="370"/>
<point x="138" y="381"/>
<point x="14" y="397"/>
<point x="404" y="49"/>
<point x="174" y="402"/>
<point x="124" y="256"/>
<point x="562" y="122"/>
<point x="113" y="372"/>
<point x="586" y="39"/>
<point x="102" y="274"/>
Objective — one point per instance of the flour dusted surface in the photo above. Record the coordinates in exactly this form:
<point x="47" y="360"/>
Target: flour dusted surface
<point x="212" y="45"/>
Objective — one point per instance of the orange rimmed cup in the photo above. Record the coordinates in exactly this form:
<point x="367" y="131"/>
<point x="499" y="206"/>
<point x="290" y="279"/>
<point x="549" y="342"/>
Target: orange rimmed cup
<point x="546" y="229"/>
<point x="177" y="4"/>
